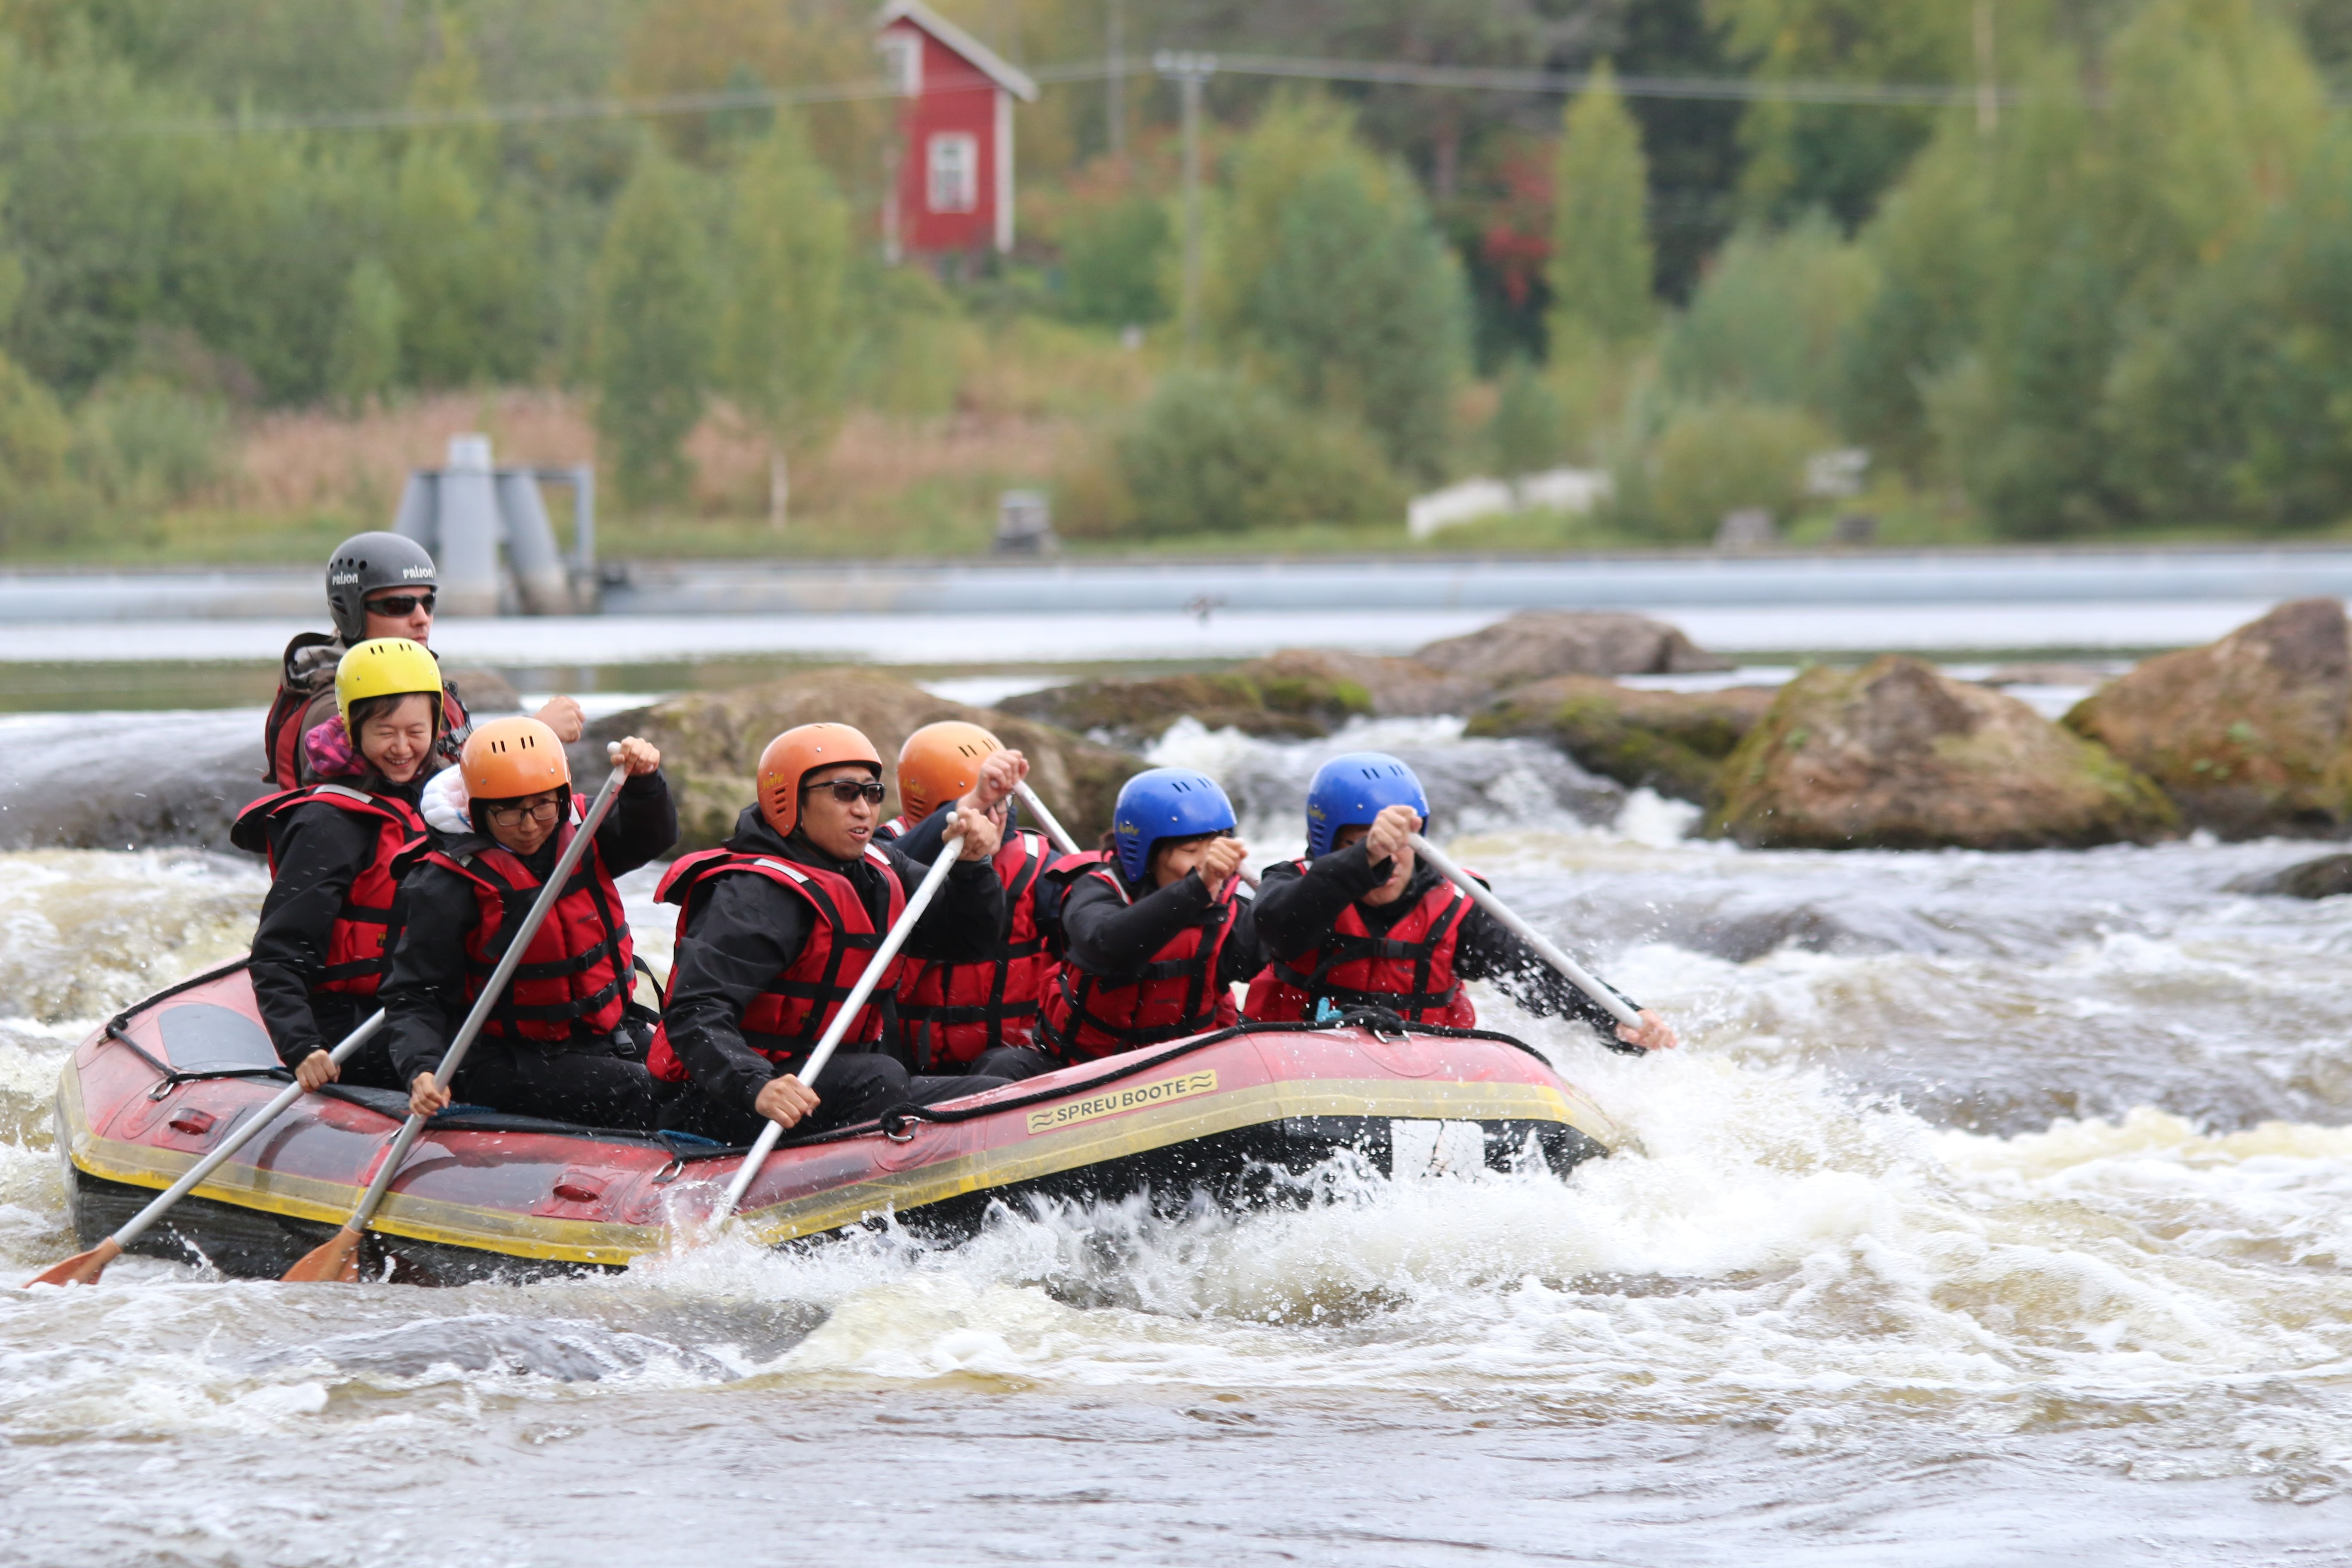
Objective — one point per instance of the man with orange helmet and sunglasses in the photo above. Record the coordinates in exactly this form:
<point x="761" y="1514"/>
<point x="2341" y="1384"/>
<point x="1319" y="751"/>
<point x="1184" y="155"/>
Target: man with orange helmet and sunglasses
<point x="775" y="929"/>
<point x="560" y="1042"/>
<point x="378" y="586"/>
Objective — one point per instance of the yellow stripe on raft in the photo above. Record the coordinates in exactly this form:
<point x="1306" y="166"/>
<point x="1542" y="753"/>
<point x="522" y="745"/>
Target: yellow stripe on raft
<point x="1082" y="1144"/>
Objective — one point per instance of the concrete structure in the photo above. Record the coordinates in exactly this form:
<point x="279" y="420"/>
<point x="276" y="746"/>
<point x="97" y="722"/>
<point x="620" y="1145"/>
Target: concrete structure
<point x="465" y="512"/>
<point x="954" y="191"/>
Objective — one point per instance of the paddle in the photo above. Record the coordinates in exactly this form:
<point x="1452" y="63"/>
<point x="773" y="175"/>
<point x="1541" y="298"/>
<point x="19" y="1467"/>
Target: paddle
<point x="850" y="1007"/>
<point x="1613" y="1003"/>
<point x="1053" y="830"/>
<point x="84" y="1267"/>
<point x="338" y="1257"/>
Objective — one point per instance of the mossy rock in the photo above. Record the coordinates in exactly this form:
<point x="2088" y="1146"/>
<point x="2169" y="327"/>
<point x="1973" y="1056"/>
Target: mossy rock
<point x="2248" y="735"/>
<point x="710" y="743"/>
<point x="1897" y="756"/>
<point x="1670" y="742"/>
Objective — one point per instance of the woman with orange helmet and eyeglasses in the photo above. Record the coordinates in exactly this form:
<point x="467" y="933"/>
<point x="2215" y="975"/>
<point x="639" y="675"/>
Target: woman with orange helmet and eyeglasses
<point x="558" y="1043"/>
<point x="775" y="929"/>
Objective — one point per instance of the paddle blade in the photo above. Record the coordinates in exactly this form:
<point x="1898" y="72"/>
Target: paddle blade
<point x="335" y="1260"/>
<point x="81" y="1268"/>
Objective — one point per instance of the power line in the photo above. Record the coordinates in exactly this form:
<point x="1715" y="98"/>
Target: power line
<point x="1477" y="78"/>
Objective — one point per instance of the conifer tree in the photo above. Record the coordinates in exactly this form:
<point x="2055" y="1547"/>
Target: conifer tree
<point x="1601" y="261"/>
<point x="652" y="323"/>
<point x="783" y="341"/>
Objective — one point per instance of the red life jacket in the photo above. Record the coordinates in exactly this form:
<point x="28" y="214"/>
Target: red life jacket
<point x="897" y="826"/>
<point x="575" y="978"/>
<point x="367" y="927"/>
<point x="1409" y="971"/>
<point x="282" y="730"/>
<point x="1174" y="995"/>
<point x="952" y="1012"/>
<point x="801" y="999"/>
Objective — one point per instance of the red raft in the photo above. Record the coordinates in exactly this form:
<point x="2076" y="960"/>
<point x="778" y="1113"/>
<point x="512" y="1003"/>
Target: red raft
<point x="1237" y="1114"/>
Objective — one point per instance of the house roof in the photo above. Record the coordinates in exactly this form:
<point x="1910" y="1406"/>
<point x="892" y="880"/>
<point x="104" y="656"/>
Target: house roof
<point x="1009" y="76"/>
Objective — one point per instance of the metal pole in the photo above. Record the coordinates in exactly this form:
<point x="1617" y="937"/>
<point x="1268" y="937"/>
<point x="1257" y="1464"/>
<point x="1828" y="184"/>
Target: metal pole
<point x="1192" y="72"/>
<point x="1988" y="92"/>
<point x="1115" y="84"/>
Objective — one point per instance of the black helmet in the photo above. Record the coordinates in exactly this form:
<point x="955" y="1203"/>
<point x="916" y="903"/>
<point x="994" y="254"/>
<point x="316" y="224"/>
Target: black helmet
<point x="365" y="562"/>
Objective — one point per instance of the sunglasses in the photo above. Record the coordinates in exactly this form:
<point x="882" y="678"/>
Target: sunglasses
<point x="538" y="811"/>
<point x="400" y="604"/>
<point x="848" y="790"/>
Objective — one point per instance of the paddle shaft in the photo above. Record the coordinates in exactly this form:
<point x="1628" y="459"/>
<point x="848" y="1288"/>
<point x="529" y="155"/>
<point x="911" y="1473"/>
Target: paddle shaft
<point x="1484" y="899"/>
<point x="851" y="1006"/>
<point x="1054" y="829"/>
<point x="492" y="989"/>
<point x="137" y="1225"/>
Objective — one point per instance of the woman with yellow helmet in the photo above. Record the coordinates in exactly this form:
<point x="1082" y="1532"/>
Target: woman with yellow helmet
<point x="334" y="910"/>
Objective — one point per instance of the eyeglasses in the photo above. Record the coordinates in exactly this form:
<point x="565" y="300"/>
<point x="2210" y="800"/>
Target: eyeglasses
<point x="537" y="810"/>
<point x="847" y="790"/>
<point x="400" y="604"/>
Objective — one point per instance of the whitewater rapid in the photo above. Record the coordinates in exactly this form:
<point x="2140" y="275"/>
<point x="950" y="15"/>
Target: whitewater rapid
<point x="1998" y="1208"/>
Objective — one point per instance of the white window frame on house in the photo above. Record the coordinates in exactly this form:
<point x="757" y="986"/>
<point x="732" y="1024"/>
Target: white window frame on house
<point x="951" y="172"/>
<point x="902" y="62"/>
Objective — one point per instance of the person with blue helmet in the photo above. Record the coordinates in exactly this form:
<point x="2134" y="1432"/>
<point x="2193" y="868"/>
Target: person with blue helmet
<point x="1155" y="930"/>
<point x="1361" y="922"/>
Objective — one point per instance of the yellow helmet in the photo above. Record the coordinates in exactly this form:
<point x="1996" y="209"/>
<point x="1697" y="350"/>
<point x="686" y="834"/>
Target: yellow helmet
<point x="385" y="667"/>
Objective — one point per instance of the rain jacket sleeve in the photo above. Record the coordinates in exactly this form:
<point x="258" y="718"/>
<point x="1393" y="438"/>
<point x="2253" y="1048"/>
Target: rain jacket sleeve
<point x="320" y="850"/>
<point x="425" y="995"/>
<point x="1487" y="951"/>
<point x="741" y="933"/>
<point x="1107" y="936"/>
<point x="641" y="826"/>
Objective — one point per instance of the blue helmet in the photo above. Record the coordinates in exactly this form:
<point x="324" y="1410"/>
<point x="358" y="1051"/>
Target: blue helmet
<point x="1348" y="791"/>
<point x="1165" y="803"/>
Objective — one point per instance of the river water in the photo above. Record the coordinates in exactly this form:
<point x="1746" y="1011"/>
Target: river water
<point x="1997" y="1210"/>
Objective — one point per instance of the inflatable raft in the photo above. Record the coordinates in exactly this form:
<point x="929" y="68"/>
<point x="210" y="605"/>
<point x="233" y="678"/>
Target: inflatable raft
<point x="1233" y="1113"/>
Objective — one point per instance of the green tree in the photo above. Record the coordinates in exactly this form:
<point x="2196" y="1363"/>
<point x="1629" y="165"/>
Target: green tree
<point x="363" y="360"/>
<point x="784" y="340"/>
<point x="1601" y="260"/>
<point x="653" y="317"/>
<point x="1768" y="321"/>
<point x="1530" y="426"/>
<point x="1212" y="453"/>
<point x="1362" y="307"/>
<point x="1298" y="137"/>
<point x="1113" y="258"/>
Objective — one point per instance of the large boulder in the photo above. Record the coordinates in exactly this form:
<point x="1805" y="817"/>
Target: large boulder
<point x="1673" y="742"/>
<point x="1896" y="756"/>
<point x="1533" y="645"/>
<point x="710" y="743"/>
<point x="127" y="781"/>
<point x="1138" y="712"/>
<point x="2247" y="735"/>
<point x="2329" y="877"/>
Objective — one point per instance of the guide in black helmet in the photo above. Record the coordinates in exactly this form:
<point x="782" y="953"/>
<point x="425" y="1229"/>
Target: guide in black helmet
<point x="378" y="586"/>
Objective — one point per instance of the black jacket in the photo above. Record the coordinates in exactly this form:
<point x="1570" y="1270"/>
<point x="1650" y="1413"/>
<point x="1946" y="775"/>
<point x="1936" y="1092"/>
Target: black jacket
<point x="318" y="849"/>
<point x="921" y="843"/>
<point x="424" y="995"/>
<point x="1113" y="940"/>
<point x="742" y="932"/>
<point x="1296" y="911"/>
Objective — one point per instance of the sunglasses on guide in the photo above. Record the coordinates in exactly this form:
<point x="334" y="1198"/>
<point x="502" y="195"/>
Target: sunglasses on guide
<point x="400" y="604"/>
<point x="537" y="810"/>
<point x="847" y="790"/>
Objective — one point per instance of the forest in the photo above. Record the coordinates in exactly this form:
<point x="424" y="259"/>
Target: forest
<point x="1973" y="269"/>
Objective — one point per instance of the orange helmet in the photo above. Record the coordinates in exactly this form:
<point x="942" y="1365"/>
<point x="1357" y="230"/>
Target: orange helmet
<point x="799" y="751"/>
<point x="940" y="762"/>
<point x="509" y="758"/>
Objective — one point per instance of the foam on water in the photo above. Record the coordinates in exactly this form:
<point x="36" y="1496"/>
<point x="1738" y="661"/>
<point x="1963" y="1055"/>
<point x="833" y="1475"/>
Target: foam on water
<point x="2038" y="1159"/>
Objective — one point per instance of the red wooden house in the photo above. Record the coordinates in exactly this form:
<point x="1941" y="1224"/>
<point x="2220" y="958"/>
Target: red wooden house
<point x="954" y="188"/>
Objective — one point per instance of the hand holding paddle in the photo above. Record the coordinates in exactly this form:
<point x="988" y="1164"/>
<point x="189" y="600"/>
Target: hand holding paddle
<point x="851" y="1006"/>
<point x="338" y="1257"/>
<point x="84" y="1267"/>
<point x="1641" y="1031"/>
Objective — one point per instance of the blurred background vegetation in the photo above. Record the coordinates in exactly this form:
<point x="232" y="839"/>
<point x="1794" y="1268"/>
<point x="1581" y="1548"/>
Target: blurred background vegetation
<point x="2114" y="297"/>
